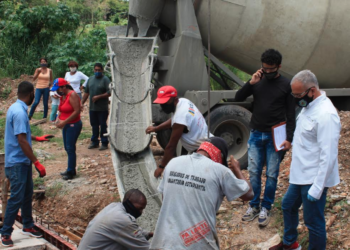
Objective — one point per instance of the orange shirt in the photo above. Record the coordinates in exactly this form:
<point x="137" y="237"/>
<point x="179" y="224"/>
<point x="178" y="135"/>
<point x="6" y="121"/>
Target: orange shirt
<point x="43" y="80"/>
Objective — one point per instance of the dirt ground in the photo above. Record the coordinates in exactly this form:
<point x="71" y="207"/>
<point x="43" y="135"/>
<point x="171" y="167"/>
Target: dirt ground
<point x="72" y="204"/>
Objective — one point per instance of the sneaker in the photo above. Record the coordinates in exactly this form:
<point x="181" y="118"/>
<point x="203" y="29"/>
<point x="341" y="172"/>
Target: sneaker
<point x="251" y="214"/>
<point x="264" y="217"/>
<point x="6" y="241"/>
<point x="32" y="232"/>
<point x="92" y="145"/>
<point x="103" y="147"/>
<point x="281" y="246"/>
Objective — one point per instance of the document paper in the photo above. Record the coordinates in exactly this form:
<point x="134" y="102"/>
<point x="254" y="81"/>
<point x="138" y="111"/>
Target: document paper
<point x="279" y="135"/>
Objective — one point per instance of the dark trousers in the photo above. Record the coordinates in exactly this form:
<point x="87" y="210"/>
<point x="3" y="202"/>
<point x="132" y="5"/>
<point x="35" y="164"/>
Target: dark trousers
<point x="20" y="177"/>
<point x="313" y="216"/>
<point x="98" y="121"/>
<point x="70" y="134"/>
<point x="38" y="93"/>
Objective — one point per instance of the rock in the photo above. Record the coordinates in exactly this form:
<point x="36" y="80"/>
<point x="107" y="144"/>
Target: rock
<point x="112" y="188"/>
<point x="103" y="181"/>
<point x="267" y="244"/>
<point x="236" y="203"/>
<point x="42" y="154"/>
<point x="222" y="210"/>
<point x="337" y="208"/>
<point x="343" y="194"/>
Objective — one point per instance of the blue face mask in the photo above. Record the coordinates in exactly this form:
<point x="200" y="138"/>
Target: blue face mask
<point x="98" y="74"/>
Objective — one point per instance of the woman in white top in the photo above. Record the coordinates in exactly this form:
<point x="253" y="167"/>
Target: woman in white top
<point x="74" y="77"/>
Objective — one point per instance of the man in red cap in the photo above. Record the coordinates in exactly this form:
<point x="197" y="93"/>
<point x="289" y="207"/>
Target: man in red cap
<point x="187" y="123"/>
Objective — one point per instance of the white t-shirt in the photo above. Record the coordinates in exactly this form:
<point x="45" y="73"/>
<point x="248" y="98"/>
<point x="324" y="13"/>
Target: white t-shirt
<point x="187" y="114"/>
<point x="76" y="79"/>
<point x="54" y="101"/>
<point x="193" y="188"/>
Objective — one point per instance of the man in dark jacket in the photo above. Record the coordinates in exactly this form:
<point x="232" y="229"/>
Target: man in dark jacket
<point x="273" y="104"/>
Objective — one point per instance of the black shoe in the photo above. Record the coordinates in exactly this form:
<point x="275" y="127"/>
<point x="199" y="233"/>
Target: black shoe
<point x="32" y="232"/>
<point x="103" y="147"/>
<point x="6" y="241"/>
<point x="92" y="145"/>
<point x="66" y="172"/>
<point x="68" y="177"/>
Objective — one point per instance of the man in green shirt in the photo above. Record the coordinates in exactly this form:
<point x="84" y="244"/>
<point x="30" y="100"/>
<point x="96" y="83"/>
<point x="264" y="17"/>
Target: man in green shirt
<point x="97" y="88"/>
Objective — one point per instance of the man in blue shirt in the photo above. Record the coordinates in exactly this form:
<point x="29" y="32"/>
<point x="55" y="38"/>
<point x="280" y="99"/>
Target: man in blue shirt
<point x="18" y="164"/>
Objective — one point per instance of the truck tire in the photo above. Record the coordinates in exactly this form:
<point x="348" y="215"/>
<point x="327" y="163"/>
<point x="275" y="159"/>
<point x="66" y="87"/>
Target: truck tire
<point x="231" y="122"/>
<point x="163" y="137"/>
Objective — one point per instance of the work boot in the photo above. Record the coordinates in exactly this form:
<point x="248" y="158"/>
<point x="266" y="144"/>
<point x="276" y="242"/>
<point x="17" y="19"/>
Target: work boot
<point x="68" y="176"/>
<point x="251" y="214"/>
<point x="264" y="217"/>
<point x="92" y="145"/>
<point x="65" y="173"/>
<point x="6" y="241"/>
<point x="281" y="246"/>
<point x="103" y="147"/>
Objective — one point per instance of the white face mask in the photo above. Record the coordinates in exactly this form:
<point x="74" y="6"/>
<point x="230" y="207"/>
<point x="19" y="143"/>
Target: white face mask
<point x="73" y="69"/>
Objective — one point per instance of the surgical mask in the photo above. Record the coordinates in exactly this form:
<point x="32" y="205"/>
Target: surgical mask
<point x="270" y="76"/>
<point x="304" y="101"/>
<point x="43" y="65"/>
<point x="168" y="108"/>
<point x="131" y="209"/>
<point x="98" y="74"/>
<point x="73" y="69"/>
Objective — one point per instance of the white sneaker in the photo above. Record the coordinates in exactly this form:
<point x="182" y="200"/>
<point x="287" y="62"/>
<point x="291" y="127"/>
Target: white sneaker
<point x="264" y="217"/>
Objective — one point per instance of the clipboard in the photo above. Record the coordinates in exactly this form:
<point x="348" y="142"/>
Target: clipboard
<point x="279" y="135"/>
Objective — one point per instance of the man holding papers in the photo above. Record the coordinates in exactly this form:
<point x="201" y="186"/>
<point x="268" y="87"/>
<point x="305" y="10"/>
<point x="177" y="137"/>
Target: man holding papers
<point x="314" y="165"/>
<point x="273" y="104"/>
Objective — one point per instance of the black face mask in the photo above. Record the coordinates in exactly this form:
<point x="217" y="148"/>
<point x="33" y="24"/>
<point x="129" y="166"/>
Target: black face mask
<point x="43" y="65"/>
<point x="270" y="76"/>
<point x="168" y="108"/>
<point x="304" y="101"/>
<point x="131" y="209"/>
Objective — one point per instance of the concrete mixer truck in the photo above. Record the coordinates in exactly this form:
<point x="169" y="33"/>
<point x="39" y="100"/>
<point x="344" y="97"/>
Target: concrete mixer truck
<point x="165" y="43"/>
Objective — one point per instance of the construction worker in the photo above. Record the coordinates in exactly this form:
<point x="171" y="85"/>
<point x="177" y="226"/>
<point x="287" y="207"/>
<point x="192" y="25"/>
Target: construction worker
<point x="273" y="104"/>
<point x="19" y="157"/>
<point x="199" y="182"/>
<point x="187" y="123"/>
<point x="115" y="227"/>
<point x="314" y="166"/>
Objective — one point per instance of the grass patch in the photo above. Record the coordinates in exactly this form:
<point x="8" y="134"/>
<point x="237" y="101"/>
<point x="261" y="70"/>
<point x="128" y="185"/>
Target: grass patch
<point x="84" y="135"/>
<point x="38" y="115"/>
<point x="6" y="92"/>
<point x="2" y="134"/>
<point x="58" y="140"/>
<point x="36" y="130"/>
<point x="53" y="190"/>
<point x="37" y="182"/>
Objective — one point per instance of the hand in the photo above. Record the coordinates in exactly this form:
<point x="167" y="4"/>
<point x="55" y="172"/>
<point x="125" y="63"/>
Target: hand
<point x="150" y="129"/>
<point x="158" y="172"/>
<point x="310" y="198"/>
<point x="95" y="98"/>
<point x="150" y="234"/>
<point x="256" y="77"/>
<point x="39" y="70"/>
<point x="44" y="137"/>
<point x="286" y="145"/>
<point x="60" y="124"/>
<point x="40" y="168"/>
<point x="233" y="164"/>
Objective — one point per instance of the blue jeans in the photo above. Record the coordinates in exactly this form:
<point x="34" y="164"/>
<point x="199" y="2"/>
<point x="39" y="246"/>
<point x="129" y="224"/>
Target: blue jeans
<point x="313" y="216"/>
<point x="70" y="135"/>
<point x="261" y="150"/>
<point x="38" y="93"/>
<point x="98" y="121"/>
<point x="53" y="112"/>
<point x="20" y="177"/>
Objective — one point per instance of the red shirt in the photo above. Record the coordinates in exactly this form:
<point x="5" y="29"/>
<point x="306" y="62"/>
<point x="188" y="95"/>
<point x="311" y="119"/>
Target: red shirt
<point x="66" y="109"/>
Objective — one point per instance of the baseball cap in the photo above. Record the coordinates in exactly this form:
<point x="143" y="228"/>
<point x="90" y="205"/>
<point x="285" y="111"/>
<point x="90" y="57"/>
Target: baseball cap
<point x="222" y="145"/>
<point x="58" y="82"/>
<point x="164" y="94"/>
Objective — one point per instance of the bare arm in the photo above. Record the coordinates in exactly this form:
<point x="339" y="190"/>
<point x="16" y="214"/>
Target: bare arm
<point x="36" y="74"/>
<point x="85" y="97"/>
<point x="51" y="78"/>
<point x="26" y="148"/>
<point x="160" y="127"/>
<point x="234" y="165"/>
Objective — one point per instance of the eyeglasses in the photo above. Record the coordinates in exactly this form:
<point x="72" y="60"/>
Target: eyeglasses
<point x="265" y="69"/>
<point x="302" y="94"/>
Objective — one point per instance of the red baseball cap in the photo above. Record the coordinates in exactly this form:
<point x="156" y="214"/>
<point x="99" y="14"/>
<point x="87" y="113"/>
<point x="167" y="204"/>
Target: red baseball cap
<point x="58" y="82"/>
<point x="165" y="93"/>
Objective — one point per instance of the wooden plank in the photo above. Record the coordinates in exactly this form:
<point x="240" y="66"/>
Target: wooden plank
<point x="71" y="235"/>
<point x="39" y="122"/>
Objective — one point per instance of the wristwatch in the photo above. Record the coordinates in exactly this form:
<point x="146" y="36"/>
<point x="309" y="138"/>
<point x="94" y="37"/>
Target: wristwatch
<point x="160" y="166"/>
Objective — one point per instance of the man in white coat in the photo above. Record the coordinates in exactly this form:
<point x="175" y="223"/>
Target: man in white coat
<point x="314" y="166"/>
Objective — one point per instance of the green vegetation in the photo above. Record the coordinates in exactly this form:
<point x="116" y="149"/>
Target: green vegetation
<point x="37" y="182"/>
<point x="54" y="189"/>
<point x="36" y="130"/>
<point x="85" y="135"/>
<point x="2" y="133"/>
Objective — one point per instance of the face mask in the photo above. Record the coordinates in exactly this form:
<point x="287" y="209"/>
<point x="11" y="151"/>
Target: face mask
<point x="304" y="101"/>
<point x="98" y="74"/>
<point x="168" y="108"/>
<point x="43" y="65"/>
<point x="270" y="76"/>
<point x="131" y="209"/>
<point x="73" y="69"/>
